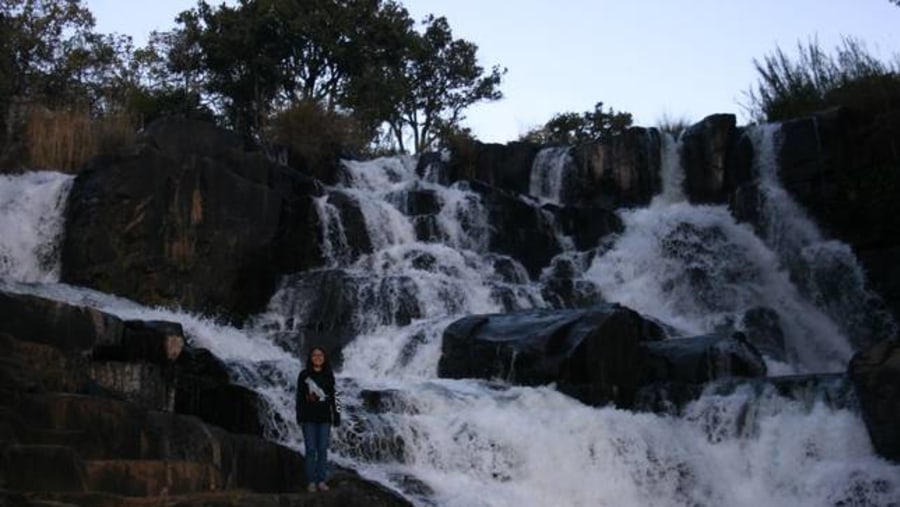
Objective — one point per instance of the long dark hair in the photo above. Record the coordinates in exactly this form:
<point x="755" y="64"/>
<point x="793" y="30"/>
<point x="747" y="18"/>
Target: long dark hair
<point x="326" y="365"/>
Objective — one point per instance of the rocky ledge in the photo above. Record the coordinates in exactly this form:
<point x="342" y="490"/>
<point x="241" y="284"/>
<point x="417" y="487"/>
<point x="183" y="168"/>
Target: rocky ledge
<point x="89" y="416"/>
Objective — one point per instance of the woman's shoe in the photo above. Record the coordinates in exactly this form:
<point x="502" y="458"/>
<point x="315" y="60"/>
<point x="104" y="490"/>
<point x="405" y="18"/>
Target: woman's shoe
<point x="323" y="486"/>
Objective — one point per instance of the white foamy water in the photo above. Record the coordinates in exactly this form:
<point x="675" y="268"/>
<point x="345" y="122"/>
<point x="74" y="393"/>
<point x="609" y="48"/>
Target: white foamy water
<point x="825" y="270"/>
<point x="31" y="222"/>
<point x="464" y="443"/>
<point x="695" y="269"/>
<point x="672" y="174"/>
<point x="550" y="173"/>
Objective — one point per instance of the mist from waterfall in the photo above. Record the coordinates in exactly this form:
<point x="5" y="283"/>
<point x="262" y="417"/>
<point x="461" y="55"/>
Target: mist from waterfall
<point x="469" y="443"/>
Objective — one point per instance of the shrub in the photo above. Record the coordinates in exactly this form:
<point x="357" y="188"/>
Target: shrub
<point x="576" y="128"/>
<point x="818" y="81"/>
<point x="673" y="126"/>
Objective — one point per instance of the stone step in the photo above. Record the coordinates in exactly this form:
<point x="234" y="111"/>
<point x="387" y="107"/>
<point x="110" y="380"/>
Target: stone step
<point x="45" y="468"/>
<point x="150" y="478"/>
<point x="78" y="440"/>
<point x="123" y="431"/>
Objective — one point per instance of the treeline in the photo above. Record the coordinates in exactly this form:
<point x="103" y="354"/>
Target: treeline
<point x="362" y="71"/>
<point x="322" y="77"/>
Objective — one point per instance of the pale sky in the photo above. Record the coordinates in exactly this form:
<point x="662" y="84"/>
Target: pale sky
<point x="684" y="59"/>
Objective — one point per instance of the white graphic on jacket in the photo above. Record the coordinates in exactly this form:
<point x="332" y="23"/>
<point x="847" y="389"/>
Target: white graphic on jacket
<point x="315" y="391"/>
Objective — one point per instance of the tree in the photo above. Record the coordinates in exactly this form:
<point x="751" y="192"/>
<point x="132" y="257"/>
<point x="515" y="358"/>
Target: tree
<point x="437" y="78"/>
<point x="37" y="35"/>
<point x="575" y="128"/>
<point x="260" y="56"/>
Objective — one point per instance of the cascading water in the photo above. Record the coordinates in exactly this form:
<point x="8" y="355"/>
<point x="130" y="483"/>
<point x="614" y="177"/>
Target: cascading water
<point x="31" y="220"/>
<point x="825" y="271"/>
<point x="474" y="443"/>
<point x="550" y="174"/>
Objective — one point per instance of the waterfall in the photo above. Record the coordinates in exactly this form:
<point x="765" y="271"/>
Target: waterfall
<point x="671" y="172"/>
<point x="550" y="173"/>
<point x="335" y="246"/>
<point x="31" y="223"/>
<point x="825" y="271"/>
<point x="468" y="443"/>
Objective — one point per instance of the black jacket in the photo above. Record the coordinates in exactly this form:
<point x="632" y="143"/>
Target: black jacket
<point x="310" y="405"/>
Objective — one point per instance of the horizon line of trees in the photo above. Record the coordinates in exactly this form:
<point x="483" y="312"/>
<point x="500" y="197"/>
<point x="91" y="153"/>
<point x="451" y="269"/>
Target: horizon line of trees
<point x="357" y="74"/>
<point x="401" y="83"/>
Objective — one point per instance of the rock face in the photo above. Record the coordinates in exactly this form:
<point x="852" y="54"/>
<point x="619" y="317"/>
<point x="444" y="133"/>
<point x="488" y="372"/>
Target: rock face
<point x="82" y="420"/>
<point x="609" y="173"/>
<point x="593" y="355"/>
<point x="705" y="155"/>
<point x="622" y="171"/>
<point x="875" y="373"/>
<point x="505" y="166"/>
<point x="191" y="219"/>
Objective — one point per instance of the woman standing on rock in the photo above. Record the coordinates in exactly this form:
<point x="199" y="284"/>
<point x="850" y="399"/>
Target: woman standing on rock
<point x="317" y="412"/>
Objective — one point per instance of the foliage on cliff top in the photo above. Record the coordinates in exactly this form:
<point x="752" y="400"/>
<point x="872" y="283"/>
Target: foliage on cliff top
<point x="816" y="80"/>
<point x="243" y="64"/>
<point x="576" y="128"/>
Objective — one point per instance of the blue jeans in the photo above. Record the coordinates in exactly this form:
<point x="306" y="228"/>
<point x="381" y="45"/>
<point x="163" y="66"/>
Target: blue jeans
<point x="316" y="438"/>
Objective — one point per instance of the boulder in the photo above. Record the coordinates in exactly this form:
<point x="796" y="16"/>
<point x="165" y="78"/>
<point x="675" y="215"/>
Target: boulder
<point x="188" y="218"/>
<point x="875" y="373"/>
<point x="592" y="355"/>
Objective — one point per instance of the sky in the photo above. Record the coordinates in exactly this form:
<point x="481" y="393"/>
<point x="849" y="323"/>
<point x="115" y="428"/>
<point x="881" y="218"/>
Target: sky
<point x="675" y="59"/>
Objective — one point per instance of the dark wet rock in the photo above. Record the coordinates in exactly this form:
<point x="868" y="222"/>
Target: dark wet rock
<point x="875" y="373"/>
<point x="762" y="327"/>
<point x="705" y="154"/>
<point x="562" y="285"/>
<point x="834" y="390"/>
<point x="353" y="224"/>
<point x="205" y="390"/>
<point x="587" y="226"/>
<point x="189" y="218"/>
<point x="326" y="305"/>
<point x="592" y="355"/>
<point x="700" y="359"/>
<point x="519" y="228"/>
<point x="618" y="171"/>
<point x="503" y="166"/>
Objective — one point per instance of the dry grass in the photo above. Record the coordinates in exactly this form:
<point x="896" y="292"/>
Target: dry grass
<point x="65" y="140"/>
<point x="317" y="137"/>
